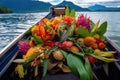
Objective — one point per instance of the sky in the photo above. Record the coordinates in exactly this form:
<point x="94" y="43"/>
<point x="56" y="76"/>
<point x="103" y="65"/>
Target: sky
<point x="86" y="3"/>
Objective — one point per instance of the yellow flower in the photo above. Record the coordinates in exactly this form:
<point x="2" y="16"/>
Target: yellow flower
<point x="56" y="21"/>
<point x="97" y="36"/>
<point x="34" y="29"/>
<point x="20" y="70"/>
<point x="31" y="51"/>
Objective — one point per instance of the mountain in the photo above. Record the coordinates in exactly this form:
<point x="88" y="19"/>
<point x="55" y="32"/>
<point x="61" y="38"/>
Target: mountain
<point x="4" y="10"/>
<point x="34" y="5"/>
<point x="72" y="6"/>
<point x="102" y="8"/>
<point x="26" y="5"/>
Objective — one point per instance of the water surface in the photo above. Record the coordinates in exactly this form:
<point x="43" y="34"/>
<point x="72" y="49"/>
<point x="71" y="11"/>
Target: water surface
<point x="12" y="25"/>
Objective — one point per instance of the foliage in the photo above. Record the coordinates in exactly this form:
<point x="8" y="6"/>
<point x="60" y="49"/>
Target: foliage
<point x="5" y="10"/>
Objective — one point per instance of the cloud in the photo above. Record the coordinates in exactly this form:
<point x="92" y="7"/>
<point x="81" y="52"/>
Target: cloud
<point x="87" y="3"/>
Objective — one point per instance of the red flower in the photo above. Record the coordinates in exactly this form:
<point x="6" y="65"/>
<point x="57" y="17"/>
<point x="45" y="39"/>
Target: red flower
<point x="50" y="44"/>
<point x="67" y="44"/>
<point x="101" y="45"/>
<point x="91" y="59"/>
<point x="68" y="20"/>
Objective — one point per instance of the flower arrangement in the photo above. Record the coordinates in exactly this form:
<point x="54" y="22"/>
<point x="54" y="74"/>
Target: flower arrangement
<point x="71" y="44"/>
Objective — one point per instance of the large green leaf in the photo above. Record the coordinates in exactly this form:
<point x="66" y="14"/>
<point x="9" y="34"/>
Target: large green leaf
<point x="67" y="11"/>
<point x="65" y="54"/>
<point x="82" y="32"/>
<point x="88" y="68"/>
<point x="45" y="66"/>
<point x="72" y="14"/>
<point x="38" y="40"/>
<point x="77" y="67"/>
<point x="102" y="29"/>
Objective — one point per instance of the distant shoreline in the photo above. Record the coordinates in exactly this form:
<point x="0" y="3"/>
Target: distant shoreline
<point x="5" y="10"/>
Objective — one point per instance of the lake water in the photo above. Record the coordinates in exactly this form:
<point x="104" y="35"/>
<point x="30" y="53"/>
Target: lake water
<point x="12" y="25"/>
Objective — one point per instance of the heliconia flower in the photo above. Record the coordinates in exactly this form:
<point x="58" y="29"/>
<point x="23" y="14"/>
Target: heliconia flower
<point x="83" y="21"/>
<point x="23" y="46"/>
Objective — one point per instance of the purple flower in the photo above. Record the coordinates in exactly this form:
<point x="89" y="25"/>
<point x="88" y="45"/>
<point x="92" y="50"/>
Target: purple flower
<point x="23" y="46"/>
<point x="83" y="21"/>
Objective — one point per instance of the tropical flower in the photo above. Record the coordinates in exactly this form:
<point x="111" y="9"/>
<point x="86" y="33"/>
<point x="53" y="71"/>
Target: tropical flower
<point x="23" y="46"/>
<point x="68" y="20"/>
<point x="83" y="21"/>
<point x="20" y="70"/>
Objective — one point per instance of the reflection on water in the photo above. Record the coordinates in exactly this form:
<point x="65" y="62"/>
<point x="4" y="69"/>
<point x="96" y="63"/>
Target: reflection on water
<point x="11" y="25"/>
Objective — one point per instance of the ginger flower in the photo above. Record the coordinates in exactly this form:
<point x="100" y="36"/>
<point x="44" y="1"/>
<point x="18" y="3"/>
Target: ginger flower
<point x="23" y="46"/>
<point x="83" y="21"/>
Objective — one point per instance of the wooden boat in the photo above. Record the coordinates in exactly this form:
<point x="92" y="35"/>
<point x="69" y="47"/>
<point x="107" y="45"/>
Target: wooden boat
<point x="9" y="53"/>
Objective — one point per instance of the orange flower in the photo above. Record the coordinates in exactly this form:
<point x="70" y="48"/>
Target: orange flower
<point x="34" y="29"/>
<point x="68" y="20"/>
<point x="55" y="23"/>
<point x="89" y="41"/>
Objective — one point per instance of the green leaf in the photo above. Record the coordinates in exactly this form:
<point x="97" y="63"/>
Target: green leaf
<point x="77" y="67"/>
<point x="95" y="26"/>
<point x="38" y="40"/>
<point x="66" y="34"/>
<point x="29" y="31"/>
<point x="61" y="16"/>
<point x="92" y="24"/>
<point x="72" y="14"/>
<point x="53" y="49"/>
<point x="45" y="66"/>
<point x="65" y="54"/>
<point x="82" y="32"/>
<point x="67" y="11"/>
<point x="59" y="31"/>
<point x="88" y="68"/>
<point x="72" y="30"/>
<point x="80" y="54"/>
<point x="102" y="29"/>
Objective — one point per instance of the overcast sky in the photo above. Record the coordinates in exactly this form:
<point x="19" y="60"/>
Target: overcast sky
<point x="86" y="3"/>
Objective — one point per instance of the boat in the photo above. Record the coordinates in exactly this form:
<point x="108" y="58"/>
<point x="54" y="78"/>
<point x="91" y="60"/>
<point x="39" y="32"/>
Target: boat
<point x="110" y="71"/>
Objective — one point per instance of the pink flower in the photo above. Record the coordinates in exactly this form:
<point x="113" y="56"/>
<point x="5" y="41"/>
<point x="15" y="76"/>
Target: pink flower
<point x="23" y="46"/>
<point x="83" y="21"/>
